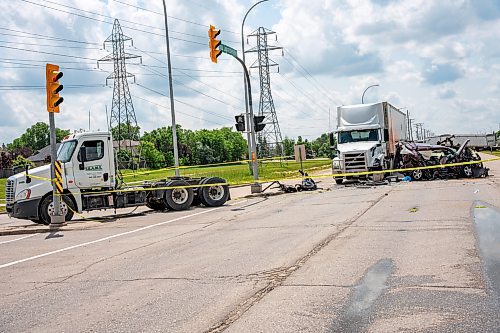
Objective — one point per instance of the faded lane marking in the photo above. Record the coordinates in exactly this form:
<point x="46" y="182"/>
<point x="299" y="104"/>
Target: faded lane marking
<point x="106" y="238"/>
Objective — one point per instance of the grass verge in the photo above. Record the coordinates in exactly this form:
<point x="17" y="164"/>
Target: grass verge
<point x="235" y="174"/>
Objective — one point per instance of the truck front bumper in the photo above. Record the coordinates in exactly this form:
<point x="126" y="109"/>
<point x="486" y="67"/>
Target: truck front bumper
<point x="27" y="209"/>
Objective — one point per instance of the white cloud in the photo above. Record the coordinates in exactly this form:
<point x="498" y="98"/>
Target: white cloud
<point x="438" y="59"/>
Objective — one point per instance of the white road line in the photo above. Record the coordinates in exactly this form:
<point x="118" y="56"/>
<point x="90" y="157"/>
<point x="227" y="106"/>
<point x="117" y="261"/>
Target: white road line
<point x="17" y="239"/>
<point x="104" y="239"/>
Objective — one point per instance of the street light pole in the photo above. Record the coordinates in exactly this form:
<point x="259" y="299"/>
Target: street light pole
<point x="252" y="145"/>
<point x="171" y="87"/>
<point x="363" y="97"/>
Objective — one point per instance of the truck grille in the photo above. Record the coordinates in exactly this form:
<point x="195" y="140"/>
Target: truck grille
<point x="9" y="192"/>
<point x="355" y="162"/>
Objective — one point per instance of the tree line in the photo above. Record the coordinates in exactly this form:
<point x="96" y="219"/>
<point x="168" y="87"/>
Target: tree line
<point x="196" y="147"/>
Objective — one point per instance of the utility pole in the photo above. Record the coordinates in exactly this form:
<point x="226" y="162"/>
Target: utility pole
<point x="171" y="95"/>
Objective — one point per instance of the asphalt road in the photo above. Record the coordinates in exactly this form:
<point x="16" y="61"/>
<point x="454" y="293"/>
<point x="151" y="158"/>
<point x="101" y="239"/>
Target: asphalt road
<point x="405" y="257"/>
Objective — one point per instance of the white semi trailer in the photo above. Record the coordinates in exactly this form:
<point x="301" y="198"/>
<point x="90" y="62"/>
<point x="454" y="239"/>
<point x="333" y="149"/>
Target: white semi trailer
<point x="366" y="138"/>
<point x="90" y="183"/>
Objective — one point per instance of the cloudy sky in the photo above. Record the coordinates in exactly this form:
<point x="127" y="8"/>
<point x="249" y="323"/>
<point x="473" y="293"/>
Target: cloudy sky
<point x="438" y="59"/>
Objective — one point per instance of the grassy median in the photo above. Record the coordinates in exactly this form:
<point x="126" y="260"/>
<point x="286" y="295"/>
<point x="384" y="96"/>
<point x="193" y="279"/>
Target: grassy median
<point x="235" y="174"/>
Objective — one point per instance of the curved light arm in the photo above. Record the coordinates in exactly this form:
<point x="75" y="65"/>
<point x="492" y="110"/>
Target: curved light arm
<point x="363" y="97"/>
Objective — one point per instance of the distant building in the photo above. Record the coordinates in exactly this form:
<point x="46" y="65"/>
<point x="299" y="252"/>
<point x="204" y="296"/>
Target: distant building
<point x="42" y="157"/>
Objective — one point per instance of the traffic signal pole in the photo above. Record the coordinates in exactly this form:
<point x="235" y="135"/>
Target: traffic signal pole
<point x="256" y="187"/>
<point x="56" y="219"/>
<point x="52" y="76"/>
<point x="216" y="49"/>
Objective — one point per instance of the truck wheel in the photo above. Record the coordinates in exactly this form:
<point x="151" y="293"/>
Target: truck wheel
<point x="179" y="198"/>
<point x="47" y="206"/>
<point x="339" y="181"/>
<point x="213" y="196"/>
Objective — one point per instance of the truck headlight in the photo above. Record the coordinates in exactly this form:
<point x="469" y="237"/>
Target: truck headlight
<point x="376" y="163"/>
<point x="23" y="195"/>
<point x="336" y="164"/>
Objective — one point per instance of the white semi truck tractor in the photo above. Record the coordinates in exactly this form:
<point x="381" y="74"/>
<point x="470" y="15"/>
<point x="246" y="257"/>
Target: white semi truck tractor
<point x="90" y="183"/>
<point x="367" y="135"/>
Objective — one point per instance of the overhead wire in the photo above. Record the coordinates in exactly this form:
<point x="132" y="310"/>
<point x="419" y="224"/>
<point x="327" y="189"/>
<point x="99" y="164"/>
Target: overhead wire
<point x="172" y="17"/>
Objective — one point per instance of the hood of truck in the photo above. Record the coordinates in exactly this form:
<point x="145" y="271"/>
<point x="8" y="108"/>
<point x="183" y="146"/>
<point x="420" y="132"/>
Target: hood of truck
<point x="356" y="146"/>
<point x="38" y="186"/>
<point x="42" y="171"/>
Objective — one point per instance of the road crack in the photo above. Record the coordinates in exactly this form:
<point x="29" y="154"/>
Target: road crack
<point x="278" y="276"/>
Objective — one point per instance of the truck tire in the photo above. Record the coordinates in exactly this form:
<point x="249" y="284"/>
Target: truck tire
<point x="178" y="198"/>
<point x="339" y="181"/>
<point x="213" y="196"/>
<point x="46" y="206"/>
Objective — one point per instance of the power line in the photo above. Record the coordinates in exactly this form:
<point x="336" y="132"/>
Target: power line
<point x="172" y="17"/>
<point x="49" y="53"/>
<point x="193" y="89"/>
<point x="315" y="83"/>
<point x="181" y="102"/>
<point x="104" y="21"/>
<point x="40" y="36"/>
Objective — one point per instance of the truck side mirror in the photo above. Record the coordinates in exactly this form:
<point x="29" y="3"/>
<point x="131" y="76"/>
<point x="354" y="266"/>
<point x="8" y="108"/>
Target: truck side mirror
<point x="83" y="157"/>
<point x="28" y="178"/>
<point x="333" y="144"/>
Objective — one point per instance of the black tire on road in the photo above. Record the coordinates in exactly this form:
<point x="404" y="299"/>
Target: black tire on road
<point x="178" y="198"/>
<point x="46" y="206"/>
<point x="339" y="181"/>
<point x="213" y="196"/>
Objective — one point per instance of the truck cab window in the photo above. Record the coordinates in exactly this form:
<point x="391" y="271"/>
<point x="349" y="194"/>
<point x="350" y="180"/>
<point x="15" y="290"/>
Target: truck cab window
<point x="66" y="151"/>
<point x="357" y="136"/>
<point x="93" y="149"/>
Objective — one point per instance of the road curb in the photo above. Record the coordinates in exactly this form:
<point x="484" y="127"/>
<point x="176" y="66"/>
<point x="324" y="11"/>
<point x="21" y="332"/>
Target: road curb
<point x="23" y="231"/>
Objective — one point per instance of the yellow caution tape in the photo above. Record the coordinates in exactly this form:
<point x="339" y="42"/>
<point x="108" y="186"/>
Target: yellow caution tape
<point x="268" y="180"/>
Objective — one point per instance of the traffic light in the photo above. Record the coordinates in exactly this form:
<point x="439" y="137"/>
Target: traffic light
<point x="214" y="43"/>
<point x="240" y="123"/>
<point x="52" y="76"/>
<point x="258" y="125"/>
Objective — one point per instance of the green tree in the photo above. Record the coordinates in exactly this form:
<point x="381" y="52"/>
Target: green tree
<point x="126" y="131"/>
<point x="321" y="146"/>
<point x="36" y="137"/>
<point x="288" y="146"/>
<point x="20" y="161"/>
<point x="153" y="157"/>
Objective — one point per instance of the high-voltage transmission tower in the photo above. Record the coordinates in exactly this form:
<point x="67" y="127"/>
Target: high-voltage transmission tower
<point x="269" y="140"/>
<point x="123" y="118"/>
